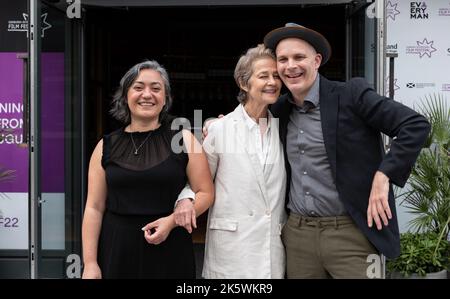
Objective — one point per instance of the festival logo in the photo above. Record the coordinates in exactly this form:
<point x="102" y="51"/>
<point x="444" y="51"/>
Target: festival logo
<point x="22" y="25"/>
<point x="423" y="48"/>
<point x="396" y="87"/>
<point x="391" y="10"/>
<point x="444" y="11"/>
<point x="418" y="10"/>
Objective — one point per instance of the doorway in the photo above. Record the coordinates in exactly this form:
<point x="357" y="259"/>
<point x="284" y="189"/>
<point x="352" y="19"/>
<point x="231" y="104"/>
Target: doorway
<point x="199" y="46"/>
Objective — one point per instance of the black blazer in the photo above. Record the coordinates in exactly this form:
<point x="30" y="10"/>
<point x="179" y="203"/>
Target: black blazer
<point x="352" y="117"/>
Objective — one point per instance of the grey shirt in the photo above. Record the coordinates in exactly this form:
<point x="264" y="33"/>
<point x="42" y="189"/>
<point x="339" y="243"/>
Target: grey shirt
<point x="313" y="192"/>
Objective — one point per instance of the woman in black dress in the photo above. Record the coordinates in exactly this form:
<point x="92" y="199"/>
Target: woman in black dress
<point x="135" y="176"/>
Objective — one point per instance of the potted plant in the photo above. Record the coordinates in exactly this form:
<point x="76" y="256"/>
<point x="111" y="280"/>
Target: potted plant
<point x="428" y="197"/>
<point x="423" y="255"/>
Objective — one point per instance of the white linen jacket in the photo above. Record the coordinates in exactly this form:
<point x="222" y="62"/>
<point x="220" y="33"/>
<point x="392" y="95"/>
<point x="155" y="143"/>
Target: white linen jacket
<point x="243" y="238"/>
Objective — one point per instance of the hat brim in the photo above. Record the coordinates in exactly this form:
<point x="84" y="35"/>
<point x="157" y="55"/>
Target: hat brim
<point x="317" y="40"/>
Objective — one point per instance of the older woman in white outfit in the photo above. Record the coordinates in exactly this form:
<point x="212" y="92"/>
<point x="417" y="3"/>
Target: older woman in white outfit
<point x="246" y="160"/>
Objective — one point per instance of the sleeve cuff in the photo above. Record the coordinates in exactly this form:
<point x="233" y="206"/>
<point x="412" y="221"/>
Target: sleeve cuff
<point x="186" y="193"/>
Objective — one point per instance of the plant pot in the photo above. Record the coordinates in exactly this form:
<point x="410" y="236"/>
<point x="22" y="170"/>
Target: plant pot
<point x="435" y="275"/>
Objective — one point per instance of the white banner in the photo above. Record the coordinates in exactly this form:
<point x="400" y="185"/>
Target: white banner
<point x="419" y="32"/>
<point x="14" y="221"/>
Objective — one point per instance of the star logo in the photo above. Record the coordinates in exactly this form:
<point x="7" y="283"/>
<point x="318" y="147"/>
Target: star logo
<point x="426" y="48"/>
<point x="391" y="10"/>
<point x="396" y="87"/>
<point x="44" y="24"/>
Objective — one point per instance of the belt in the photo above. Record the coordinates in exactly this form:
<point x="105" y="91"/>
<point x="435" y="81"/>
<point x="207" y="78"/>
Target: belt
<point x="329" y="221"/>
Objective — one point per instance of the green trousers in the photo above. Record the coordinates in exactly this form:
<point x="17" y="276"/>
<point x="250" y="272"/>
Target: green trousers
<point x="325" y="247"/>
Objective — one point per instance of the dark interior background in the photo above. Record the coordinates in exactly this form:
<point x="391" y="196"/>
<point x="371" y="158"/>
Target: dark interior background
<point x="199" y="46"/>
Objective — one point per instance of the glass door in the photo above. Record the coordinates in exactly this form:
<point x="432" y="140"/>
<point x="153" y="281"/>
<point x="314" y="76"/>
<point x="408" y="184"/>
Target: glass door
<point x="360" y="47"/>
<point x="14" y="166"/>
<point x="365" y="42"/>
<point x="56" y="156"/>
<point x="365" y="51"/>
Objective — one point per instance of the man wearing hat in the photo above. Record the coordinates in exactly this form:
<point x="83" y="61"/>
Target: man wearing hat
<point x="340" y="200"/>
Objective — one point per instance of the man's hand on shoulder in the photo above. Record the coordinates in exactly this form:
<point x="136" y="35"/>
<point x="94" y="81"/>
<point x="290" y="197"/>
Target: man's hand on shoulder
<point x="207" y="123"/>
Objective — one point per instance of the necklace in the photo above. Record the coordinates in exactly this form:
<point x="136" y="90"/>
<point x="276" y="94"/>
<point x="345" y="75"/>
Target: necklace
<point x="136" y="149"/>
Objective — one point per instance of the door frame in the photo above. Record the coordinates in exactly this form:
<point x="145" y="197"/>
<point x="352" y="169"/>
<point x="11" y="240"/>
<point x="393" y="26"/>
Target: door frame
<point x="34" y="48"/>
<point x="34" y="44"/>
<point x="74" y="187"/>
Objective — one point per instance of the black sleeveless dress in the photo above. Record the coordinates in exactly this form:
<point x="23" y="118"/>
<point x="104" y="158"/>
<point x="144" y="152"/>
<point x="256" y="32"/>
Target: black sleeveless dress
<point x="142" y="188"/>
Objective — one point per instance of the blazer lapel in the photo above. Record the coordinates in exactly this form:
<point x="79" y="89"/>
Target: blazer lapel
<point x="275" y="157"/>
<point x="274" y="138"/>
<point x="329" y="105"/>
<point x="241" y="130"/>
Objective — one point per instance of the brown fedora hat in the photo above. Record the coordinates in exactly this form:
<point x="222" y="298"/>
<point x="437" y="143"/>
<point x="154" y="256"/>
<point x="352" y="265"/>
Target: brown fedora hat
<point x="317" y="40"/>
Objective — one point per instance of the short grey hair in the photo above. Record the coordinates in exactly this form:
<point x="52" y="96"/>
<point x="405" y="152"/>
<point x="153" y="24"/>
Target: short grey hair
<point x="244" y="68"/>
<point x="120" y="110"/>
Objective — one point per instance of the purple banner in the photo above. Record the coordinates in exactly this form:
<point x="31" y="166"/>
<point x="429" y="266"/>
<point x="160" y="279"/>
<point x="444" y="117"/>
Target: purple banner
<point x="13" y="154"/>
<point x="52" y="122"/>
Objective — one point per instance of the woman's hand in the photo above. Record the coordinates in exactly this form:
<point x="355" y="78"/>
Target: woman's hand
<point x="185" y="214"/>
<point x="157" y="231"/>
<point x="92" y="271"/>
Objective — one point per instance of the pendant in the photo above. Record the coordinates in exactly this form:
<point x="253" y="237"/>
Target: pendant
<point x="135" y="152"/>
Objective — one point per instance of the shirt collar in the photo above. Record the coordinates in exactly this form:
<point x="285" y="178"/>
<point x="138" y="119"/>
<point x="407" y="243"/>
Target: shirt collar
<point x="251" y="123"/>
<point x="312" y="97"/>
